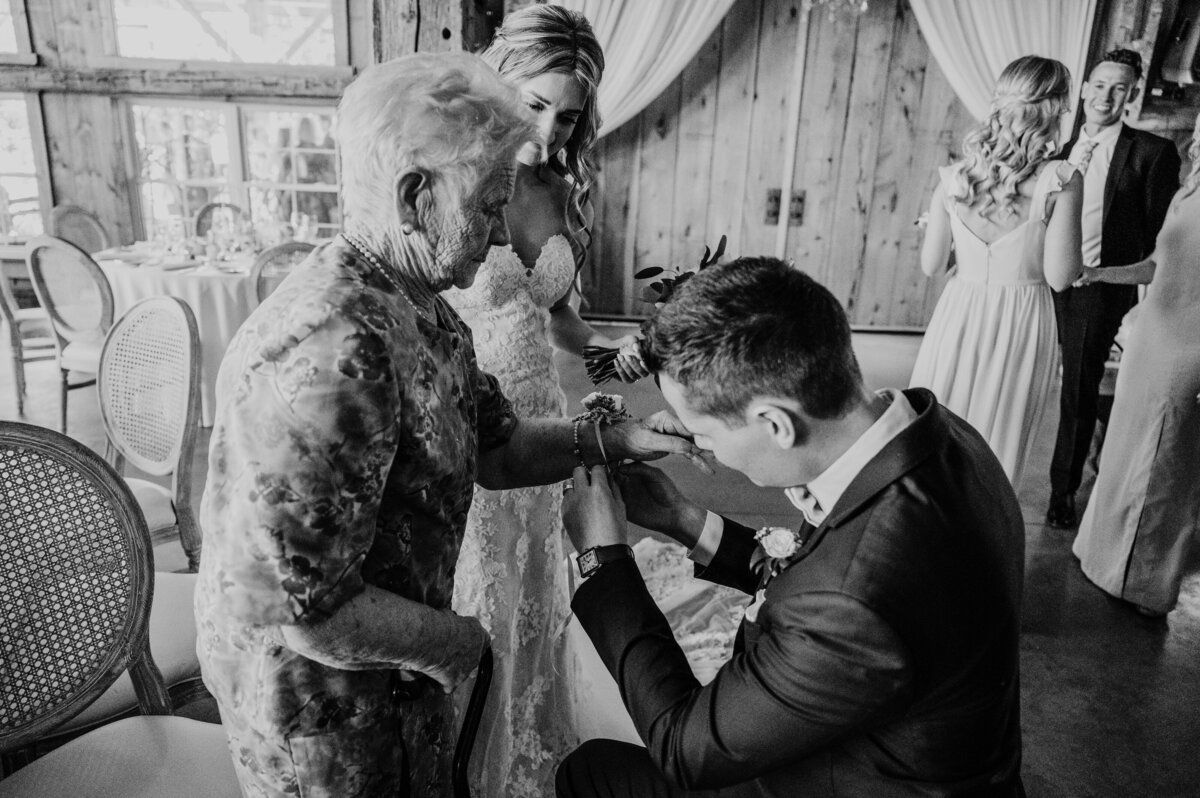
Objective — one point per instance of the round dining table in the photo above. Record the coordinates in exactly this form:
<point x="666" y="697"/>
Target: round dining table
<point x="221" y="299"/>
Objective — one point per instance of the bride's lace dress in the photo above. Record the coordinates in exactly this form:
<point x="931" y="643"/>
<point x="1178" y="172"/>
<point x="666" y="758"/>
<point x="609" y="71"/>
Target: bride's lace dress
<point x="511" y="572"/>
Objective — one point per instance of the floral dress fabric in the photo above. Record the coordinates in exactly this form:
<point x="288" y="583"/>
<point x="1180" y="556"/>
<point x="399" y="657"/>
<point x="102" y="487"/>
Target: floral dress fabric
<point x="511" y="572"/>
<point x="344" y="454"/>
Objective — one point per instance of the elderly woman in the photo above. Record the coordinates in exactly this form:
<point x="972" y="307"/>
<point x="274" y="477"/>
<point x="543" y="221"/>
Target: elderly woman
<point x="352" y="422"/>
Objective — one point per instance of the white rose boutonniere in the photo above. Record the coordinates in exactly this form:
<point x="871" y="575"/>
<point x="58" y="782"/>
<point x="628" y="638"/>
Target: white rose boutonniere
<point x="777" y="545"/>
<point x="778" y="541"/>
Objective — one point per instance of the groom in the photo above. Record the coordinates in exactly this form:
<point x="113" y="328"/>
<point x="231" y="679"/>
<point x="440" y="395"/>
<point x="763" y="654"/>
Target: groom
<point x="880" y="655"/>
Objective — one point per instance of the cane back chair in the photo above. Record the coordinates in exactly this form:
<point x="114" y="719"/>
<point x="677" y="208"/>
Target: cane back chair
<point x="227" y="212"/>
<point x="149" y="389"/>
<point x="77" y="297"/>
<point x="76" y="584"/>
<point x="80" y="227"/>
<point x="273" y="264"/>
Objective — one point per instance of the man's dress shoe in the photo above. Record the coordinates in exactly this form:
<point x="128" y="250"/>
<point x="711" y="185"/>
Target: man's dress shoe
<point x="1061" y="514"/>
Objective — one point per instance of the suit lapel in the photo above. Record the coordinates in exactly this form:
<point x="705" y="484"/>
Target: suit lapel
<point x="1120" y="155"/>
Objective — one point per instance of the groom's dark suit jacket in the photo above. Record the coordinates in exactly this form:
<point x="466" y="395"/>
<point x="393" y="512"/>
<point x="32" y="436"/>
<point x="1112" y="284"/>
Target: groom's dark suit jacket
<point x="1142" y="179"/>
<point x="883" y="662"/>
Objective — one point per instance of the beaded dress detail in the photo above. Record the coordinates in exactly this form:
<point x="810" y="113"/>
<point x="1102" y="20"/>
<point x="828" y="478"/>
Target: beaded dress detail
<point x="511" y="573"/>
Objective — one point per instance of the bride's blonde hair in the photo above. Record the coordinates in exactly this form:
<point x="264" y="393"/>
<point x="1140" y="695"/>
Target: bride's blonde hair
<point x="1018" y="135"/>
<point x="1193" y="179"/>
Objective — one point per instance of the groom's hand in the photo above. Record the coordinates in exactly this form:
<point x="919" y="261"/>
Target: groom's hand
<point x="653" y="501"/>
<point x="593" y="512"/>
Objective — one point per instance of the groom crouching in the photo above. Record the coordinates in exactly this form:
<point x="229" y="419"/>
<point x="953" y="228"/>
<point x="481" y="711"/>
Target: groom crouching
<point x="880" y="655"/>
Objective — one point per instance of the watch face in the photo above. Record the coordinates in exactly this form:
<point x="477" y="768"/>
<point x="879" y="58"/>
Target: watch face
<point x="588" y="562"/>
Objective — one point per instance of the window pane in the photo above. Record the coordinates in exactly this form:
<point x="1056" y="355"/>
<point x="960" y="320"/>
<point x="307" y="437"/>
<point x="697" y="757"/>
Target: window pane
<point x="8" y="30"/>
<point x="20" y="205"/>
<point x="183" y="162"/>
<point x="292" y="170"/>
<point x="295" y="32"/>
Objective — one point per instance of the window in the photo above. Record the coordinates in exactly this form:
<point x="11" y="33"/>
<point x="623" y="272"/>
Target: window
<point x="293" y="32"/>
<point x="8" y="29"/>
<point x="278" y="163"/>
<point x="20" y="200"/>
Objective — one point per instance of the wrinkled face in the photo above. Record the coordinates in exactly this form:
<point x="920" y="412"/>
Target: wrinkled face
<point x="556" y="99"/>
<point x="467" y="231"/>
<point x="1109" y="87"/>
<point x="748" y="448"/>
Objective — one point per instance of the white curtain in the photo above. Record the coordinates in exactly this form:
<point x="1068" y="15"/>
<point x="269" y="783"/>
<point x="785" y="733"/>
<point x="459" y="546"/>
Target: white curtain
<point x="647" y="43"/>
<point x="973" y="40"/>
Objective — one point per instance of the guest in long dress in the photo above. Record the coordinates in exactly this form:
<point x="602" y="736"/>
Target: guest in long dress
<point x="352" y="423"/>
<point x="1144" y="514"/>
<point x="1011" y="214"/>
<point x="511" y="573"/>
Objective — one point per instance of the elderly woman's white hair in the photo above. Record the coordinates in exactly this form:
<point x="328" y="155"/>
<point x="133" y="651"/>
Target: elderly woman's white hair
<point x="448" y="114"/>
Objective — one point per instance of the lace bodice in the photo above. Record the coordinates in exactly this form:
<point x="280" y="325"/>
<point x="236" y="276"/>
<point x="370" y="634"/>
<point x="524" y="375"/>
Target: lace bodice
<point x="508" y="311"/>
<point x="1015" y="258"/>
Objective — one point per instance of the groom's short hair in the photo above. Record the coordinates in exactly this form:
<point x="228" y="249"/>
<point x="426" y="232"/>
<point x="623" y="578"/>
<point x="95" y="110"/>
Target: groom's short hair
<point x="754" y="327"/>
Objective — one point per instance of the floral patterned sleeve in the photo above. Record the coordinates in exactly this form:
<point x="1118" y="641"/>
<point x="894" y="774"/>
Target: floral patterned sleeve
<point x="300" y="455"/>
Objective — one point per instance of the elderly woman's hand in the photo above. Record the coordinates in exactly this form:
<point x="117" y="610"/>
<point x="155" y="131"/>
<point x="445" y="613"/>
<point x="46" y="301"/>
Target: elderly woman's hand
<point x="656" y="437"/>
<point x="455" y="648"/>
<point x="592" y="510"/>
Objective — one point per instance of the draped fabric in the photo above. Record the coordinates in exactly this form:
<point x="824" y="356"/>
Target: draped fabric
<point x="647" y="43"/>
<point x="973" y="41"/>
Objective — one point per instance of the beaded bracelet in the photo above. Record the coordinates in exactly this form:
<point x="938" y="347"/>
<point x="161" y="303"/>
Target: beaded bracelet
<point x="600" y="408"/>
<point x="579" y="452"/>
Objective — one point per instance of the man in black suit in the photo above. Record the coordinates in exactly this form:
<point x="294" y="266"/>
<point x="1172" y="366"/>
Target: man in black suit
<point x="880" y="655"/>
<point x="1129" y="179"/>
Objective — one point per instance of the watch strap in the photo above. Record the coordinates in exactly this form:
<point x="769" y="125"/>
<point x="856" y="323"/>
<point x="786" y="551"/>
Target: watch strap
<point x="590" y="560"/>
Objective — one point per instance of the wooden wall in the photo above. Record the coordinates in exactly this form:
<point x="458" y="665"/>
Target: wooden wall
<point x="71" y="73"/>
<point x="877" y="117"/>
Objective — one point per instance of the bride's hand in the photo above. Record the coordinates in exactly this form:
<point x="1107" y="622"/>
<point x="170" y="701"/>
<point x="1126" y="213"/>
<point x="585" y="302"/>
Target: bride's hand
<point x="629" y="364"/>
<point x="1091" y="274"/>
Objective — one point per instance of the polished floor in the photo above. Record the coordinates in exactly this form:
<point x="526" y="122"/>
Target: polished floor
<point x="1111" y="700"/>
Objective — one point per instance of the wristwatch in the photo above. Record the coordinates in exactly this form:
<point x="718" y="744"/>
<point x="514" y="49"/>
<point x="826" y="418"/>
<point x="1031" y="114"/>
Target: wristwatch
<point x="591" y="559"/>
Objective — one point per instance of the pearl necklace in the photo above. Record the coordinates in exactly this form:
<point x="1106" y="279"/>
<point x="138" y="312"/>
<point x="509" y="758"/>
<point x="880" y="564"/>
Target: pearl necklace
<point x="387" y="274"/>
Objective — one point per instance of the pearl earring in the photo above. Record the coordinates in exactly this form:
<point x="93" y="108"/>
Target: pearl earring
<point x="406" y="228"/>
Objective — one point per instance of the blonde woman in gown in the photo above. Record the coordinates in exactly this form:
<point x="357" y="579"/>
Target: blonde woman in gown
<point x="512" y="569"/>
<point x="1143" y="517"/>
<point x="1012" y="216"/>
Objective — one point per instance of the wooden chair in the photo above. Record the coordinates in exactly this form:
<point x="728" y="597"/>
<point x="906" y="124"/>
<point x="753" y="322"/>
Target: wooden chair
<point x="149" y="388"/>
<point x="80" y="227"/>
<point x="76" y="582"/>
<point x="29" y="337"/>
<point x="227" y="210"/>
<point x="79" y="301"/>
<point x="273" y="264"/>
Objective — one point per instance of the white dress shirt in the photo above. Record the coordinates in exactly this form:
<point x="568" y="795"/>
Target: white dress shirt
<point x="1093" y="186"/>
<point x="818" y="497"/>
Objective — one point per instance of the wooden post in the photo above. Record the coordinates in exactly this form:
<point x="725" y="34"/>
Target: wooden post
<point x="433" y="26"/>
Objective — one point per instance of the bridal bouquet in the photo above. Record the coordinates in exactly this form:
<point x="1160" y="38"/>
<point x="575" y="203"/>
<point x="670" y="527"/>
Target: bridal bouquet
<point x="600" y="360"/>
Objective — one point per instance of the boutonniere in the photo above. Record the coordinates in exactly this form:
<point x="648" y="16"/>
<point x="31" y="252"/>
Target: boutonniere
<point x="777" y="545"/>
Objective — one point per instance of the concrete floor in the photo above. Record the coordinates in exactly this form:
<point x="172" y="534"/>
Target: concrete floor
<point x="1110" y="700"/>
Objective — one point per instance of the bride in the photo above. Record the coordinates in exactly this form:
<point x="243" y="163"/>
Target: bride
<point x="511" y="572"/>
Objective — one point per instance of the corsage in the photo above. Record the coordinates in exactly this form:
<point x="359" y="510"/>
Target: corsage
<point x="599" y="408"/>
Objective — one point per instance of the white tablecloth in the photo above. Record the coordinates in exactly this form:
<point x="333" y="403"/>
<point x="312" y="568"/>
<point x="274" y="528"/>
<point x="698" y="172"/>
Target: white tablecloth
<point x="220" y="300"/>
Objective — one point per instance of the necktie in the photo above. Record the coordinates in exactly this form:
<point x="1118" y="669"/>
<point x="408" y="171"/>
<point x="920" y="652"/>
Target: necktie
<point x="1086" y="160"/>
